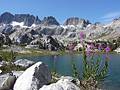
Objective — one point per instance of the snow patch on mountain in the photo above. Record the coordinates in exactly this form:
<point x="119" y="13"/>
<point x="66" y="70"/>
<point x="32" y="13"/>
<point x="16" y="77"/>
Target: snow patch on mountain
<point x="21" y="24"/>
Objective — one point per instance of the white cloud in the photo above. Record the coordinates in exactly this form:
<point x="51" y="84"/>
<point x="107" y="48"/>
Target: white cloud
<point x="107" y="20"/>
<point x="110" y="16"/>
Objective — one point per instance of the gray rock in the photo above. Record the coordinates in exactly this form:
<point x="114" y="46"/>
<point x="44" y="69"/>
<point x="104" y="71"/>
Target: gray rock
<point x="8" y="83"/>
<point x="76" y="21"/>
<point x="1" y="59"/>
<point x="67" y="77"/>
<point x="2" y="36"/>
<point x="25" y="39"/>
<point x="4" y="39"/>
<point x="50" y="20"/>
<point x="23" y="62"/>
<point x="32" y="47"/>
<point x="62" y="84"/>
<point x="0" y="71"/>
<point x="48" y="30"/>
<point x="8" y="29"/>
<point x="7" y="80"/>
<point x="47" y="42"/>
<point x="37" y="20"/>
<point x="54" y="44"/>
<point x="2" y="63"/>
<point x="27" y="19"/>
<point x="72" y="35"/>
<point x="33" y="78"/>
<point x="17" y="73"/>
<point x="3" y="78"/>
<point x="71" y="79"/>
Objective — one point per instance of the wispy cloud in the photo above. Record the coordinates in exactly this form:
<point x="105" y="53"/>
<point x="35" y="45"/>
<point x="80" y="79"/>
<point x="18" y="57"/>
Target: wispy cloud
<point x="110" y="16"/>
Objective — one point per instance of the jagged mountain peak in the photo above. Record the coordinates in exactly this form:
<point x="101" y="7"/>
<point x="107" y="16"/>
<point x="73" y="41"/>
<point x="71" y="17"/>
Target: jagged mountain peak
<point x="50" y="20"/>
<point x="6" y="13"/>
<point x="27" y="19"/>
<point x="76" y="21"/>
<point x="6" y="18"/>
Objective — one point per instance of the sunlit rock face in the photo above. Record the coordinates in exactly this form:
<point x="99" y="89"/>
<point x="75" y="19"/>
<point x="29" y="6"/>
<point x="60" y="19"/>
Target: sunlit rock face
<point x="50" y="20"/>
<point x="76" y="21"/>
<point x="4" y="39"/>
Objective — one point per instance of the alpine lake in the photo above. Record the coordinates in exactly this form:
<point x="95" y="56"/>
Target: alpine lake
<point x="62" y="64"/>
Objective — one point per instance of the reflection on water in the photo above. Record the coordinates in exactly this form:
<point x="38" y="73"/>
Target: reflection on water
<point x="62" y="65"/>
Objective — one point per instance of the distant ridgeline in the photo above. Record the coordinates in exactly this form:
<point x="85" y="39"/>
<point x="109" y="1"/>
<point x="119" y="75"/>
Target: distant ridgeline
<point x="28" y="20"/>
<point x="26" y="29"/>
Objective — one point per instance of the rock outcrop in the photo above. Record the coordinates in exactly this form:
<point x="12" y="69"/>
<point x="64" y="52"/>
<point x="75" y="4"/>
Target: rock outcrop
<point x="54" y="44"/>
<point x="0" y="71"/>
<point x="7" y="29"/>
<point x="33" y="78"/>
<point x="1" y="39"/>
<point x="32" y="46"/>
<point x="50" y="20"/>
<point x="76" y="21"/>
<point x="23" y="62"/>
<point x="8" y="83"/>
<point x="25" y="39"/>
<point x="4" y="39"/>
<point x="62" y="84"/>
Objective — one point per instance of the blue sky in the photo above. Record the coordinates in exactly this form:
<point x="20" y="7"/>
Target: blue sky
<point x="93" y="10"/>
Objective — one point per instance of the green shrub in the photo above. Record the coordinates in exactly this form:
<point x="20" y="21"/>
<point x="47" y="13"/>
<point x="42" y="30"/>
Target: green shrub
<point x="94" y="67"/>
<point x="11" y="67"/>
<point x="8" y="56"/>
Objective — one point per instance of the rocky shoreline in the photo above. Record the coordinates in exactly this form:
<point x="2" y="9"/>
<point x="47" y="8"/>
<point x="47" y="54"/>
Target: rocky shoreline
<point x="37" y="76"/>
<point x="33" y="78"/>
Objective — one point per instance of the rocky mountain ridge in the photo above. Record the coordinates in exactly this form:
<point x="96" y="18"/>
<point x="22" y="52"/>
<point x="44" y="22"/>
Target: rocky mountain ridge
<point x="7" y="18"/>
<point x="28" y="19"/>
<point x="28" y="29"/>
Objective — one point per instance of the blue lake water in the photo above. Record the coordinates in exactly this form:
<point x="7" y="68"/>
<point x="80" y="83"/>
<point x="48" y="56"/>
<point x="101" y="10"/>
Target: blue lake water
<point x="62" y="65"/>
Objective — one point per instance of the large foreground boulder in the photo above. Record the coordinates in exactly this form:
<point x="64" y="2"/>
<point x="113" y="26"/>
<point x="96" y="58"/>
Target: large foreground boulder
<point x="62" y="84"/>
<point x="33" y="78"/>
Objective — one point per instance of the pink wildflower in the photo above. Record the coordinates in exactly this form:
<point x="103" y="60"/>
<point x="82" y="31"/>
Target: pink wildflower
<point x="82" y="35"/>
<point x="88" y="51"/>
<point x="92" y="46"/>
<point x="107" y="49"/>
